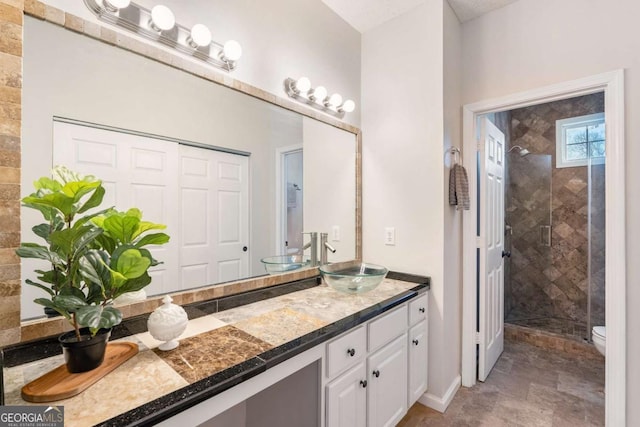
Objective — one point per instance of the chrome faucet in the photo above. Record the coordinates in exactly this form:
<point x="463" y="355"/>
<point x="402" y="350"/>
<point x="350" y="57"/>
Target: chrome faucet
<point x="324" y="248"/>
<point x="313" y="244"/>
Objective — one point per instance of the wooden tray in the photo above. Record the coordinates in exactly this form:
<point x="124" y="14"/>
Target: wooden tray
<point x="60" y="384"/>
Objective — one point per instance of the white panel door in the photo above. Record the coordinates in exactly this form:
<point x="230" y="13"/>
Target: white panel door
<point x="232" y="246"/>
<point x="347" y="399"/>
<point x="137" y="172"/>
<point x="387" y="395"/>
<point x="418" y="361"/>
<point x="214" y="194"/>
<point x="491" y="290"/>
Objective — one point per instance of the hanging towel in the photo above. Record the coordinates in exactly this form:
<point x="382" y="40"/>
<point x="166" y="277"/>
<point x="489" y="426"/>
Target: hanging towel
<point x="458" y="187"/>
<point x="292" y="196"/>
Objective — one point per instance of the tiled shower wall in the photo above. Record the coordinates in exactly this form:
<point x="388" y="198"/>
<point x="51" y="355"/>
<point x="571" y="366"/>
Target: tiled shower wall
<point x="551" y="282"/>
<point x="11" y="22"/>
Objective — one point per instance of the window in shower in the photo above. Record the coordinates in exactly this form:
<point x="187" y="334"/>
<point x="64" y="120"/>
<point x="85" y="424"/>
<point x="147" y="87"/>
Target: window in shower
<point x="580" y="140"/>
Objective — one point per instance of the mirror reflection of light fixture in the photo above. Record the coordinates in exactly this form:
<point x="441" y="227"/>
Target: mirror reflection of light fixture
<point x="159" y="25"/>
<point x="301" y="90"/>
<point x="115" y="5"/>
<point x="162" y="19"/>
<point x="200" y="36"/>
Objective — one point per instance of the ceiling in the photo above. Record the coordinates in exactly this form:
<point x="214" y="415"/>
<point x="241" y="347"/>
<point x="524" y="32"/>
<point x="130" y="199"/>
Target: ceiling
<point x="364" y="15"/>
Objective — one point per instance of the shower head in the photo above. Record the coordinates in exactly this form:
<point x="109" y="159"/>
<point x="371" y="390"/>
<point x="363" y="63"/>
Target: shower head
<point x="522" y="151"/>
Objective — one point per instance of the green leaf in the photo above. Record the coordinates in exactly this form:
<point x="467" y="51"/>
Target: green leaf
<point x="47" y="289"/>
<point x="59" y="201"/>
<point x="77" y="189"/>
<point x="46" y="183"/>
<point x="153" y="239"/>
<point x="134" y="212"/>
<point x="33" y="250"/>
<point x="133" y="285"/>
<point x="121" y="227"/>
<point x="92" y="266"/>
<point x="117" y="279"/>
<point x="42" y="230"/>
<point x="94" y="200"/>
<point x="69" y="302"/>
<point x="97" y="317"/>
<point x="132" y="264"/>
<point x="145" y="226"/>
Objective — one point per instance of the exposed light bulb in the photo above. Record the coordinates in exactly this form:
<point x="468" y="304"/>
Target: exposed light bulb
<point x="319" y="94"/>
<point x="162" y="19"/>
<point x="200" y="36"/>
<point x="232" y="51"/>
<point x="348" y="106"/>
<point x="115" y="5"/>
<point x="334" y="100"/>
<point x="302" y="85"/>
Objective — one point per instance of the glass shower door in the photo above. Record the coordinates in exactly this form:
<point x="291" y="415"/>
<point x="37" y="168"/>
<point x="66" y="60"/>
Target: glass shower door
<point x="528" y="218"/>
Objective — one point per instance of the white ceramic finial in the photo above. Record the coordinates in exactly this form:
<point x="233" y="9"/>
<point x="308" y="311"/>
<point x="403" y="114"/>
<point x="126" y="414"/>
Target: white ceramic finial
<point x="167" y="323"/>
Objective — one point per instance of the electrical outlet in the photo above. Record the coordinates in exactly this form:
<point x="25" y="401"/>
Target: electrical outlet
<point x="335" y="233"/>
<point x="390" y="236"/>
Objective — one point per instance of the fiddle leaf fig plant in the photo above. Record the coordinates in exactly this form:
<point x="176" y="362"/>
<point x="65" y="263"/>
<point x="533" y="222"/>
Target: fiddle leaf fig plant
<point x="94" y="258"/>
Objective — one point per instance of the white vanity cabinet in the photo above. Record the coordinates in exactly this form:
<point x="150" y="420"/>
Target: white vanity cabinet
<point x="387" y="394"/>
<point x="418" y="348"/>
<point x="374" y="384"/>
<point x="347" y="398"/>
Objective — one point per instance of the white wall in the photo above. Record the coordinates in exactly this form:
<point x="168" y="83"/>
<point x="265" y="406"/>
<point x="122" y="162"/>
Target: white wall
<point x="403" y="167"/>
<point x="533" y="43"/>
<point x="279" y="39"/>
<point x="452" y="217"/>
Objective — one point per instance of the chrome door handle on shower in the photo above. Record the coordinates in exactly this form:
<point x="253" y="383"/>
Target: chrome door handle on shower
<point x="545" y="235"/>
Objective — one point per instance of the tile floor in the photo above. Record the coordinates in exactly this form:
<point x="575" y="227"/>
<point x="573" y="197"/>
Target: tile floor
<point x="529" y="386"/>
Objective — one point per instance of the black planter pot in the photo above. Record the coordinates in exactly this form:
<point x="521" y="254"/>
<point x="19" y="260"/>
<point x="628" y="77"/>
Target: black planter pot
<point x="86" y="354"/>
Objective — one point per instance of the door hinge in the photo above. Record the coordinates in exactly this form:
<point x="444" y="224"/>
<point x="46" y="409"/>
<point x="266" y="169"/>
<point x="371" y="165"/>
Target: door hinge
<point x="477" y="337"/>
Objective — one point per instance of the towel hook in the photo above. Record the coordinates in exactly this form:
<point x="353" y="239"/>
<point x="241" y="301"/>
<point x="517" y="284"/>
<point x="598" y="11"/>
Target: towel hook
<point x="457" y="155"/>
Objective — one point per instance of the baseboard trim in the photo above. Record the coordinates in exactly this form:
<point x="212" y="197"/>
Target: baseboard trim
<point x="440" y="404"/>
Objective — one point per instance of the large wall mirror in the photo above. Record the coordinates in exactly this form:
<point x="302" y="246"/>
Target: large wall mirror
<point x="235" y="178"/>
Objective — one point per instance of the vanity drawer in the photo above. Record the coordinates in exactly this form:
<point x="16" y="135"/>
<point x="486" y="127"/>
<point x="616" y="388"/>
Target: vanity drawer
<point x="346" y="351"/>
<point x="418" y="309"/>
<point x="386" y="328"/>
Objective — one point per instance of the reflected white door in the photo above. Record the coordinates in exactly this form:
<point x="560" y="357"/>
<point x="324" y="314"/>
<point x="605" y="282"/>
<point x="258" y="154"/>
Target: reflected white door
<point x="137" y="172"/>
<point x="214" y="216"/>
<point x="491" y="290"/>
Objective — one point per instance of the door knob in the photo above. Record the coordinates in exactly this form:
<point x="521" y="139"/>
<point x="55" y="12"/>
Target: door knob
<point x="376" y="373"/>
<point x="351" y="352"/>
<point x="245" y="249"/>
<point x="363" y="383"/>
<point x="506" y="254"/>
<point x="415" y="342"/>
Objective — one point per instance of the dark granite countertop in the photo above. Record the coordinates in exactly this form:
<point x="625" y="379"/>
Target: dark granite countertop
<point x="256" y="325"/>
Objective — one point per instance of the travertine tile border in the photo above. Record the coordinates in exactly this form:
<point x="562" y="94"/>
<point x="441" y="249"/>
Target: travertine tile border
<point x="11" y="23"/>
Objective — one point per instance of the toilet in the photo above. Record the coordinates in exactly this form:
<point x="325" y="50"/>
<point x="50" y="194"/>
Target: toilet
<point x="598" y="335"/>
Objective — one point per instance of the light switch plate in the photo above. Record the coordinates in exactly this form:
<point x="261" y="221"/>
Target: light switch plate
<point x="335" y="233"/>
<point x="390" y="236"/>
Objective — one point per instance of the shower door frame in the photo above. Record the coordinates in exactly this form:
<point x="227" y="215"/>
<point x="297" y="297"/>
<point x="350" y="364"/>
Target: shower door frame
<point x="612" y="84"/>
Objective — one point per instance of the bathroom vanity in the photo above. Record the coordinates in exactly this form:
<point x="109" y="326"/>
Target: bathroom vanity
<point x="294" y="354"/>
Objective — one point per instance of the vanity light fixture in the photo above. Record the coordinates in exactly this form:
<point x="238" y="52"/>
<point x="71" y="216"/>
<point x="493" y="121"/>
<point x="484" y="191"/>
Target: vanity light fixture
<point x="159" y="25"/>
<point x="115" y="5"/>
<point x="302" y="91"/>
<point x="162" y="19"/>
<point x="200" y="36"/>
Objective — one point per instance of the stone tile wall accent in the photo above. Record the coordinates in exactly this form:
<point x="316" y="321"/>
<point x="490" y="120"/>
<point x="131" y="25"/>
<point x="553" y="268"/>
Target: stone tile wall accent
<point x="11" y="24"/>
<point x="552" y="281"/>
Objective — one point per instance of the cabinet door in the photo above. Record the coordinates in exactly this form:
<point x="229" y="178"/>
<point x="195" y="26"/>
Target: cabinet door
<point x="347" y="399"/>
<point x="387" y="395"/>
<point x="418" y="352"/>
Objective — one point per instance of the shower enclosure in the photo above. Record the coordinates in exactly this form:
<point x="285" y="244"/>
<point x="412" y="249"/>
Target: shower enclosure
<point x="554" y="280"/>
